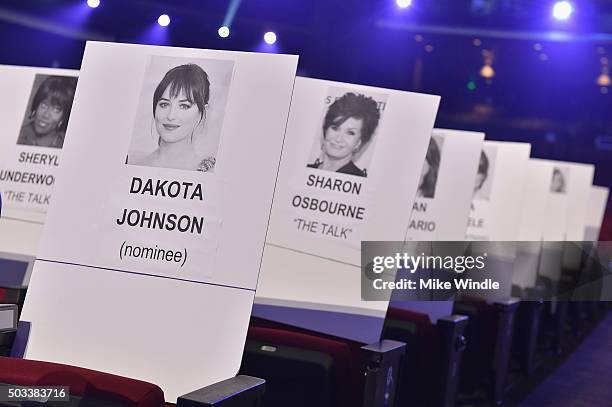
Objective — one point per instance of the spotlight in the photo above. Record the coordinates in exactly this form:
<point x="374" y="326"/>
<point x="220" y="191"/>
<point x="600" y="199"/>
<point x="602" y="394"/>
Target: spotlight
<point x="562" y="10"/>
<point x="224" y="32"/>
<point x="403" y="3"/>
<point x="163" y="20"/>
<point x="270" y="37"/>
<point x="93" y="3"/>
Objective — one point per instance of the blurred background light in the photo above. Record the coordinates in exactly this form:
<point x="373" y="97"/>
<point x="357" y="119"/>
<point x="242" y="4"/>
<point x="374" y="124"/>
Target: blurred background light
<point x="163" y="20"/>
<point x="270" y="37"/>
<point x="562" y="10"/>
<point x="224" y="32"/>
<point x="403" y="3"/>
<point x="487" y="72"/>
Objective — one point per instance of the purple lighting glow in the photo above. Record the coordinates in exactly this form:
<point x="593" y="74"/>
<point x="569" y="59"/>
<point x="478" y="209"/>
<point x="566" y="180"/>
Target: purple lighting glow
<point x="562" y="10"/>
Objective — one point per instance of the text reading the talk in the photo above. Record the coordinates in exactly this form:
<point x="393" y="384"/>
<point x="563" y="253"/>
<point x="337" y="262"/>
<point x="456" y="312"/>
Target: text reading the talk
<point x="161" y="220"/>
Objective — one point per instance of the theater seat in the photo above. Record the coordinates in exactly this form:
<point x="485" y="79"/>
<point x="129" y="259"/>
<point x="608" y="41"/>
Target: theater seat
<point x="420" y="366"/>
<point x="433" y="355"/>
<point x="12" y="295"/>
<point x="489" y="343"/>
<point x="83" y="383"/>
<point x="303" y="368"/>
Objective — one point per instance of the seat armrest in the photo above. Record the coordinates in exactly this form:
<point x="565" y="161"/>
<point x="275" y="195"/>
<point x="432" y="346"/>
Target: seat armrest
<point x="381" y="375"/>
<point x="239" y="391"/>
<point x="508" y="304"/>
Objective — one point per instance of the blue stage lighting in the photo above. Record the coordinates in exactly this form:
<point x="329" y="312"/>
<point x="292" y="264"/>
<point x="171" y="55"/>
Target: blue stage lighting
<point x="403" y="3"/>
<point x="93" y="3"/>
<point x="562" y="10"/>
<point x="163" y="20"/>
<point x="270" y="37"/>
<point x="224" y="32"/>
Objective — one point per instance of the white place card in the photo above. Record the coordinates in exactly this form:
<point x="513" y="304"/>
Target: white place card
<point x="350" y="171"/>
<point x="33" y="124"/>
<point x="565" y="218"/>
<point x="498" y="191"/>
<point x="531" y="224"/>
<point x="496" y="208"/>
<point x="441" y="208"/>
<point x="154" y="238"/>
<point x="598" y="201"/>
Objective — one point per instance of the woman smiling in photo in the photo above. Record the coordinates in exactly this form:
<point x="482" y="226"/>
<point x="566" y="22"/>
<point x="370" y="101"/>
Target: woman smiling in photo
<point x="180" y="102"/>
<point x="348" y="126"/>
<point x="49" y="113"/>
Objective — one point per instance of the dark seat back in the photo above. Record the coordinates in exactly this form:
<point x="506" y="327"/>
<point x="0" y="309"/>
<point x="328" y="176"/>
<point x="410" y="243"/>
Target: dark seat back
<point x="320" y="370"/>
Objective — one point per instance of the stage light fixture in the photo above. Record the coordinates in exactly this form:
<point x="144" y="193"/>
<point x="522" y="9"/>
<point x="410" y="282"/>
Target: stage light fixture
<point x="223" y="32"/>
<point x="93" y="3"/>
<point x="270" y="37"/>
<point x="403" y="3"/>
<point x="562" y="10"/>
<point x="163" y="20"/>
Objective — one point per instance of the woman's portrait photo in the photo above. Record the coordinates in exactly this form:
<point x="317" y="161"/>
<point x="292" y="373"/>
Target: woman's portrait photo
<point x="347" y="131"/>
<point x="179" y="120"/>
<point x="559" y="180"/>
<point x="48" y="111"/>
<point x="429" y="175"/>
<point x="484" y="175"/>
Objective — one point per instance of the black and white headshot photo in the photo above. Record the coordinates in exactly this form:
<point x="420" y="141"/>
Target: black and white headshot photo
<point x="429" y="175"/>
<point x="559" y="180"/>
<point x="484" y="175"/>
<point x="347" y="132"/>
<point x="48" y="111"/>
<point x="180" y="116"/>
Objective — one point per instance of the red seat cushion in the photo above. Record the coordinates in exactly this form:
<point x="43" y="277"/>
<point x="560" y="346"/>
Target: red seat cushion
<point x="420" y="320"/>
<point x="83" y="383"/>
<point x="426" y="331"/>
<point x="3" y="296"/>
<point x="12" y="295"/>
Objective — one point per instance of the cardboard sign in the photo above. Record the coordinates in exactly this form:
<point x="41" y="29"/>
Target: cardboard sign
<point x="565" y="215"/>
<point x="498" y="191"/>
<point x="32" y="132"/>
<point x="496" y="208"/>
<point x="151" y="251"/>
<point x="442" y="205"/>
<point x="531" y="226"/>
<point x="576" y="181"/>
<point x="598" y="201"/>
<point x="350" y="170"/>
